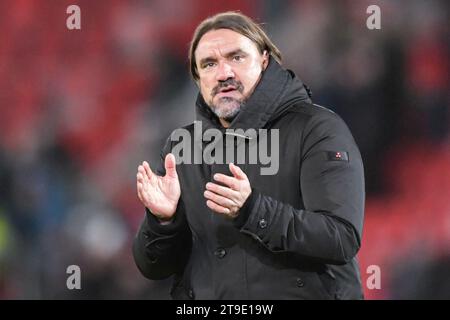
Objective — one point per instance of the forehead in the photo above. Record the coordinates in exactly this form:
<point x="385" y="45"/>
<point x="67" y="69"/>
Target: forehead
<point x="221" y="41"/>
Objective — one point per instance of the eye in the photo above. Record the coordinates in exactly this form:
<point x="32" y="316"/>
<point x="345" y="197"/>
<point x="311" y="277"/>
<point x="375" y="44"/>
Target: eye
<point x="208" y="65"/>
<point x="237" y="58"/>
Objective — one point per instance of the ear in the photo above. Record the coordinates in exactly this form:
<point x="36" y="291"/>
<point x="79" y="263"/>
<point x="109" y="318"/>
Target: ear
<point x="265" y="57"/>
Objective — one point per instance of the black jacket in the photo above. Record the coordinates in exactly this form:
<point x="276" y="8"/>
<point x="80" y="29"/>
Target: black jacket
<point x="298" y="233"/>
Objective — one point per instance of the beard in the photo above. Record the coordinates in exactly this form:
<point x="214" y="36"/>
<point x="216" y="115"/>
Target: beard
<point x="227" y="108"/>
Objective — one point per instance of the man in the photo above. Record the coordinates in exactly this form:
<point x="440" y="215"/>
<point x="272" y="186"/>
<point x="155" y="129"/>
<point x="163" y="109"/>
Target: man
<point x="230" y="232"/>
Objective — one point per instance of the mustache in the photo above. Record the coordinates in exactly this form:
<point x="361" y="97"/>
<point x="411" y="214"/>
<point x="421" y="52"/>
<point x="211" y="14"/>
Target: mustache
<point x="227" y="83"/>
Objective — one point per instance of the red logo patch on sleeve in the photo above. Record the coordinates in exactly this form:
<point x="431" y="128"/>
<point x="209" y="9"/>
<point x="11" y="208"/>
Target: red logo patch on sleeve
<point x="337" y="156"/>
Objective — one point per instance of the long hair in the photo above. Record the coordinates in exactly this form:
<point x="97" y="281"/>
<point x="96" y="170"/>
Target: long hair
<point x="237" y="22"/>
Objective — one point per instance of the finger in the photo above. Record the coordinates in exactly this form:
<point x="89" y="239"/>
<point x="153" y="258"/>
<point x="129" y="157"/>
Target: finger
<point x="237" y="172"/>
<point x="224" y="202"/>
<point x="217" y="208"/>
<point x="140" y="188"/>
<point x="170" y="165"/>
<point x="142" y="175"/>
<point x="139" y="191"/>
<point x="223" y="191"/>
<point x="147" y="170"/>
<point x="231" y="182"/>
<point x="143" y="195"/>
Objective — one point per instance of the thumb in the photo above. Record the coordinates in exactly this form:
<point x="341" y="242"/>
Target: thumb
<point x="237" y="172"/>
<point x="170" y="165"/>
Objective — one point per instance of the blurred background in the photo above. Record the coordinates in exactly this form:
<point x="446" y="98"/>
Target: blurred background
<point x="81" y="109"/>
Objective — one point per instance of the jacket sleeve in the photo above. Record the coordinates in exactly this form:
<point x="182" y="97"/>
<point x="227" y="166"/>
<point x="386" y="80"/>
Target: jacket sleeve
<point x="329" y="227"/>
<point x="161" y="250"/>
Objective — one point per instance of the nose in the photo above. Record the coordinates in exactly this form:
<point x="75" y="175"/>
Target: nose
<point x="224" y="72"/>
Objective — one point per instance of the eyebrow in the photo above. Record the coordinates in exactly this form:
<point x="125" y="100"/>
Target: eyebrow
<point x="227" y="55"/>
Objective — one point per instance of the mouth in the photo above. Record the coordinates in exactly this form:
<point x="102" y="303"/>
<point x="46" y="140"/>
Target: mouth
<point x="227" y="89"/>
<point x="226" y="92"/>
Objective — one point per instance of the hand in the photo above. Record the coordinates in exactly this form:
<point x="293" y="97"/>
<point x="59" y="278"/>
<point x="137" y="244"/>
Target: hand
<point x="159" y="194"/>
<point x="228" y="200"/>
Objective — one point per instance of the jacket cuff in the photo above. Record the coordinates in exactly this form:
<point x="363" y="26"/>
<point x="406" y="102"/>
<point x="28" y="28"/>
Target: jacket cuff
<point x="155" y="225"/>
<point x="244" y="212"/>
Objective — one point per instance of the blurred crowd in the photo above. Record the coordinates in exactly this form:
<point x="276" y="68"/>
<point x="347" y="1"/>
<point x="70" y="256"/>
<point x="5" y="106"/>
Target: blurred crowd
<point x="81" y="109"/>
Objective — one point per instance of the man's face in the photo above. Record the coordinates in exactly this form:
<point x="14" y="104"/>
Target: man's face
<point x="229" y="67"/>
